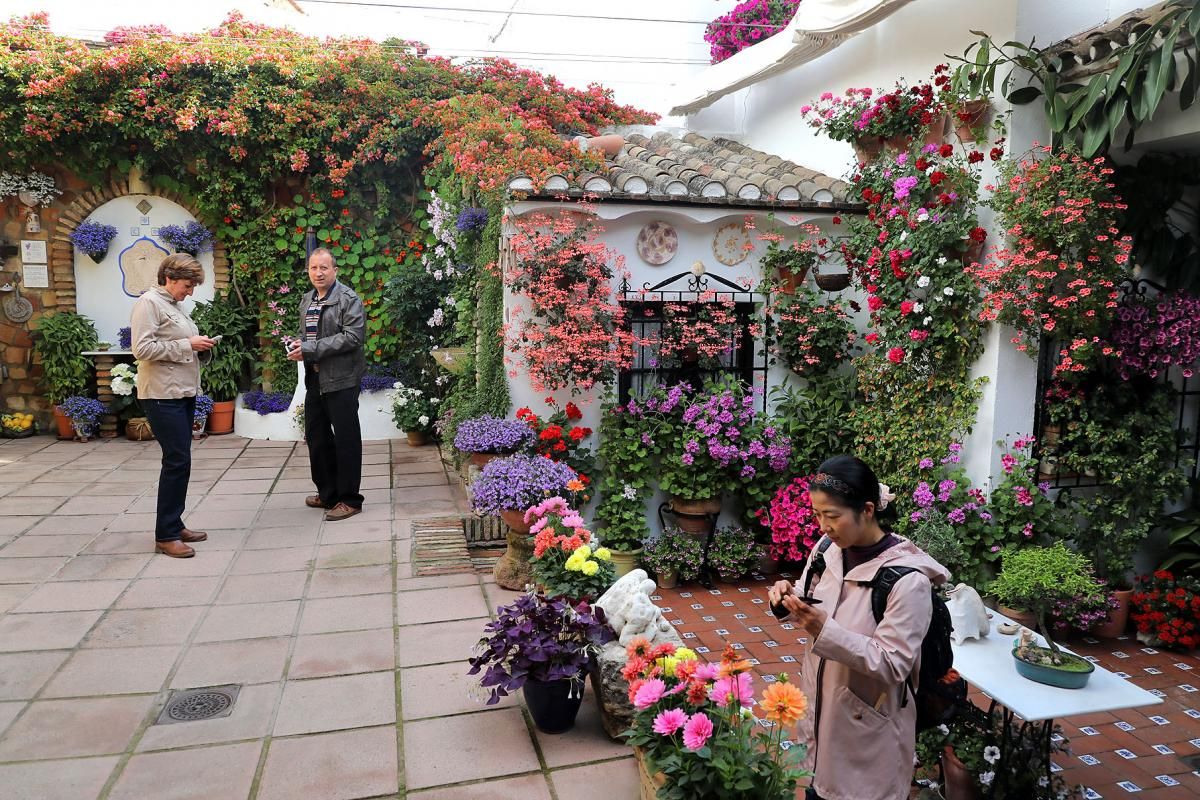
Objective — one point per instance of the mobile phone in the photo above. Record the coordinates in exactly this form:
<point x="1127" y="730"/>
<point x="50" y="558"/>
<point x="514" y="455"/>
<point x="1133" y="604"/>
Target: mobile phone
<point x="780" y="610"/>
<point x="218" y="337"/>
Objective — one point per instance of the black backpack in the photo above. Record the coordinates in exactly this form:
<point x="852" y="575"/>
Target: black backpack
<point x="935" y="698"/>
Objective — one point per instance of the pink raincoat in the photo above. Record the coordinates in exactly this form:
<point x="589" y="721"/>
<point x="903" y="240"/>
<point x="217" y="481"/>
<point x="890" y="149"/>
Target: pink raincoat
<point x="865" y="740"/>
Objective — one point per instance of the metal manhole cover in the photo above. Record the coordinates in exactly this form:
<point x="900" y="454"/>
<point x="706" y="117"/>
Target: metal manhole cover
<point x="191" y="705"/>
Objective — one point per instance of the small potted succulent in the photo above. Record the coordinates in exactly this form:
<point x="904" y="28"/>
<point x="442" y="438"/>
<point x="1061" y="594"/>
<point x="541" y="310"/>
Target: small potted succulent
<point x="733" y="552"/>
<point x="1036" y="578"/>
<point x="192" y="238"/>
<point x="541" y="646"/>
<point x="93" y="239"/>
<point x="487" y="437"/>
<point x="85" y="414"/>
<point x="674" y="557"/>
<point x="204" y="407"/>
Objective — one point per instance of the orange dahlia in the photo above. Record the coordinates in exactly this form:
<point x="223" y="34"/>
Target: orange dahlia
<point x="784" y="703"/>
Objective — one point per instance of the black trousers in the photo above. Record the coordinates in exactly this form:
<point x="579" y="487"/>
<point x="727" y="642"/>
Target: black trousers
<point x="171" y="421"/>
<point x="334" y="442"/>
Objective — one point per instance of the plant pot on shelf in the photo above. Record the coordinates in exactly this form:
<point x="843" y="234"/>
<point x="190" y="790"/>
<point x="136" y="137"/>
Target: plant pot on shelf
<point x="867" y="148"/>
<point x="959" y="783"/>
<point x="1058" y="676"/>
<point x="220" y="421"/>
<point x="968" y="120"/>
<point x="1019" y="616"/>
<point x="625" y="561"/>
<point x="62" y="424"/>
<point x="693" y="516"/>
<point x="833" y="281"/>
<point x="513" y="571"/>
<point x="138" y="429"/>
<point x="416" y="438"/>
<point x="553" y="705"/>
<point x="1118" y="618"/>
<point x="790" y="281"/>
<point x="481" y="459"/>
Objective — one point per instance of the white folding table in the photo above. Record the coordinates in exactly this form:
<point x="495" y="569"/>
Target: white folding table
<point x="988" y="664"/>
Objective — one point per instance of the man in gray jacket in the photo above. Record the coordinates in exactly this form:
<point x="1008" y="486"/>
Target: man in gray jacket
<point x="332" y="331"/>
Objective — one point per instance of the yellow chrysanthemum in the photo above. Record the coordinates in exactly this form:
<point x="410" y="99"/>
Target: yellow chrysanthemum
<point x="668" y="664"/>
<point x="583" y="552"/>
<point x="603" y="553"/>
<point x="590" y="568"/>
<point x="574" y="564"/>
<point x="685" y="654"/>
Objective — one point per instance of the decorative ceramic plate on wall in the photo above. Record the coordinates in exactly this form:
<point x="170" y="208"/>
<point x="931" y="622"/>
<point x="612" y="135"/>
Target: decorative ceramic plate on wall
<point x="731" y="245"/>
<point x="657" y="243"/>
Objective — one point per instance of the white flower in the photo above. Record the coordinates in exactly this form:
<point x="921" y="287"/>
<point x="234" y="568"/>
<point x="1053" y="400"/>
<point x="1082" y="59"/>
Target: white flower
<point x="437" y="274"/>
<point x="1043" y="781"/>
<point x="918" y="308"/>
<point x="437" y="319"/>
<point x="122" y="386"/>
<point x="941" y="262"/>
<point x="923" y="281"/>
<point x="630" y="492"/>
<point x="948" y="291"/>
<point x="991" y="754"/>
<point x="903" y="235"/>
<point x="927" y="320"/>
<point x="944" y="730"/>
<point x="923" y="215"/>
<point x="985" y="778"/>
<point x="450" y="302"/>
<point x="423" y="419"/>
<point x="397" y="385"/>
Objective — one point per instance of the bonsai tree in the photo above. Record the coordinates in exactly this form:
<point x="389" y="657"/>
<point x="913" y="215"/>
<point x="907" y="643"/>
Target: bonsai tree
<point x="59" y="340"/>
<point x="1038" y="578"/>
<point x="222" y="375"/>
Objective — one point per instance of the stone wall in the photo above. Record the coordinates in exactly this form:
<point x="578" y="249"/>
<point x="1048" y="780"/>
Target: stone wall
<point x="21" y="387"/>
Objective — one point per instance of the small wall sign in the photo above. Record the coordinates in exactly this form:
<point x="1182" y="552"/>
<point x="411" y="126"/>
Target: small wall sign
<point x="33" y="251"/>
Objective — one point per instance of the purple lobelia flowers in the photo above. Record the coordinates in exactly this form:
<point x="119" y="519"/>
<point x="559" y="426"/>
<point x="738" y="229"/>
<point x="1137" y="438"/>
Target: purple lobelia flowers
<point x="488" y="434"/>
<point x="471" y="219"/>
<point x="266" y="402"/>
<point x="93" y="238"/>
<point x="518" y="482"/>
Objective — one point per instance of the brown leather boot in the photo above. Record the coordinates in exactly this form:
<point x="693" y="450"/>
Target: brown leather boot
<point x="341" y="511"/>
<point x="193" y="536"/>
<point x="174" y="549"/>
<point x="314" y="501"/>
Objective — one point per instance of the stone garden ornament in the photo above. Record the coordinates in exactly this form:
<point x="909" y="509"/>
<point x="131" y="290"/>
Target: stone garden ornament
<point x="967" y="613"/>
<point x="631" y="613"/>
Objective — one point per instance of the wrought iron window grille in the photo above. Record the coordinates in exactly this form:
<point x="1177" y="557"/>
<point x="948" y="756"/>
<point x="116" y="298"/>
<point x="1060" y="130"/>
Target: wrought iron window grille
<point x="746" y="357"/>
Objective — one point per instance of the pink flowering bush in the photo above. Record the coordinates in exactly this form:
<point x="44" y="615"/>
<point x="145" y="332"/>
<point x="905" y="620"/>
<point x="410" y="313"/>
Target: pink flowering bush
<point x="1058" y="274"/>
<point x="574" y="338"/>
<point x="690" y="715"/>
<point x="1152" y="335"/>
<point x="906" y="111"/>
<point x="749" y="23"/>
<point x="792" y="522"/>
<point x="812" y="337"/>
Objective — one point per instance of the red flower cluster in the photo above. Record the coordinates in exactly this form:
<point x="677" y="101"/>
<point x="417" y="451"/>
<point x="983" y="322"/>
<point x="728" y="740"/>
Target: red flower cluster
<point x="559" y="439"/>
<point x="1169" y="607"/>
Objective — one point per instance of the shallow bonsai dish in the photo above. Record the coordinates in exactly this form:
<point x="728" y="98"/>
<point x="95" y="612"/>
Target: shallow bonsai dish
<point x="1055" y="676"/>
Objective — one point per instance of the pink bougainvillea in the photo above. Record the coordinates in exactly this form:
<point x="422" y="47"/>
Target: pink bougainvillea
<point x="749" y="23"/>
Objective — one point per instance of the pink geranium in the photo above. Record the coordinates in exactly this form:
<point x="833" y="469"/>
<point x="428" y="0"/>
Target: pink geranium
<point x="669" y="721"/>
<point x="697" y="731"/>
<point x="649" y="693"/>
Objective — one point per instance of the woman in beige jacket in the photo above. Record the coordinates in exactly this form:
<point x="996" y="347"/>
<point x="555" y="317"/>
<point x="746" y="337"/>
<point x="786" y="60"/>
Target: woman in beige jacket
<point x="167" y="346"/>
<point x="860" y="731"/>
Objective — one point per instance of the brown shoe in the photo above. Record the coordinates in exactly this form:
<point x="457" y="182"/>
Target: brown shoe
<point x="314" y="501"/>
<point x="193" y="536"/>
<point x="174" y="549"/>
<point x="341" y="511"/>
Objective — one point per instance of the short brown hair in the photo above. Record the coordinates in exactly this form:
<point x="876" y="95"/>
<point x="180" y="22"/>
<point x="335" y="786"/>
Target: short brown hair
<point x="180" y="267"/>
<point x="323" y="251"/>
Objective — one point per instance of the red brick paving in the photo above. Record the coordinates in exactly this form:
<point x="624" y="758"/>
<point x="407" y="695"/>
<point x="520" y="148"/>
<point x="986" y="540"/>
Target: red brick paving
<point x="738" y="615"/>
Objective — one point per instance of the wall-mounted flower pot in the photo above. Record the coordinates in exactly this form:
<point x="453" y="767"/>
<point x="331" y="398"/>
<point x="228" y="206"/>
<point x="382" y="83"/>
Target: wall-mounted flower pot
<point x="969" y="119"/>
<point x="97" y="256"/>
<point x="867" y="148"/>
<point x="790" y="281"/>
<point x="1055" y="676"/>
<point x="833" y="281"/>
<point x="553" y="705"/>
<point x="220" y="421"/>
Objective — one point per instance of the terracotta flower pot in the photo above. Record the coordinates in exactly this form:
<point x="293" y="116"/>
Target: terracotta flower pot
<point x="692" y="516"/>
<point x="137" y="429"/>
<point x="1018" y="616"/>
<point x="972" y="114"/>
<point x="668" y="579"/>
<point x="416" y="438"/>
<point x="220" y="421"/>
<point x="1118" y="618"/>
<point x="481" y="459"/>
<point x="960" y="785"/>
<point x="867" y="148"/>
<point x="62" y="424"/>
<point x="515" y="520"/>
<point x="790" y="281"/>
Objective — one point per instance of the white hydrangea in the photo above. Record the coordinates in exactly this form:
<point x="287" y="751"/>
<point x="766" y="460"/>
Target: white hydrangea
<point x="423" y="419"/>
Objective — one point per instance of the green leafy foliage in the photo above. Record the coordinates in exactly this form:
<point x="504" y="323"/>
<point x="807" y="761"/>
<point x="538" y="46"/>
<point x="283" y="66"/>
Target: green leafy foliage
<point x="59" y="339"/>
<point x="1035" y="578"/>
<point x="226" y="371"/>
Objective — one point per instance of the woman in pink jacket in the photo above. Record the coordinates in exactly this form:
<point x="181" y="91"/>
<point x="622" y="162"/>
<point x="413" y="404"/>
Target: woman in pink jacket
<point x="861" y="729"/>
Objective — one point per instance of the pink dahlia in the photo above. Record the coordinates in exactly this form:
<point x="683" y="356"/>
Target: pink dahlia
<point x="650" y="693"/>
<point x="697" y="731"/>
<point x="669" y="721"/>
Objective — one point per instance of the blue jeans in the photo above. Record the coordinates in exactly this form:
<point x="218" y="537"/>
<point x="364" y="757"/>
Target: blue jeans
<point x="171" y="421"/>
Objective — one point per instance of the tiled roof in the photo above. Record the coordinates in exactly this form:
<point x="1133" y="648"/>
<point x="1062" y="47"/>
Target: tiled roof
<point x="1090" y="52"/>
<point x="695" y="169"/>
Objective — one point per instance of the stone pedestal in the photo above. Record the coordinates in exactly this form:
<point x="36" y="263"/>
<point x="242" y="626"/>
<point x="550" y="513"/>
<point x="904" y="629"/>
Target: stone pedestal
<point x="512" y="571"/>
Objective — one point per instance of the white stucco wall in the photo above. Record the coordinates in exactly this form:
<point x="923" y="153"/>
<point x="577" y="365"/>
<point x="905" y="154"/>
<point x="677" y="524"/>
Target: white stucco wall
<point x="99" y="289"/>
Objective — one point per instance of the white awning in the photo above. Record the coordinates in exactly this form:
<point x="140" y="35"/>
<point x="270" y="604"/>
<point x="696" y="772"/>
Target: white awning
<point x="818" y="27"/>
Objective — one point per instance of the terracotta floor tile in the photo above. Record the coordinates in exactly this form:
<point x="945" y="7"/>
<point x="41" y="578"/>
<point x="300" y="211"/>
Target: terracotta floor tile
<point x="346" y="653"/>
<point x="268" y="588"/>
<point x="437" y="605"/>
<point x="108" y="671"/>
<point x="52" y="631"/>
<point x="168" y="592"/>
<point x="527" y="787"/>
<point x="346" y="581"/>
<point x="240" y="661"/>
<point x="72" y="596"/>
<point x="327" y="615"/>
<point x="23" y="674"/>
<point x="250" y="719"/>
<point x="344" y="764"/>
<point x="200" y="773"/>
<point x="248" y="621"/>
<point x="439" y="642"/>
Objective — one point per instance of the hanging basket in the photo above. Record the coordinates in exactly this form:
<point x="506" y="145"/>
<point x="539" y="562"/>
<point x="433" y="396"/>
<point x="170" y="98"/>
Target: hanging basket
<point x="98" y="255"/>
<point x="867" y="148"/>
<point x="833" y="282"/>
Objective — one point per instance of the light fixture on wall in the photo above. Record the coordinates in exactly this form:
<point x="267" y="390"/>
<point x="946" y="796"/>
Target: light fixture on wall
<point x="698" y="268"/>
<point x="310" y="243"/>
